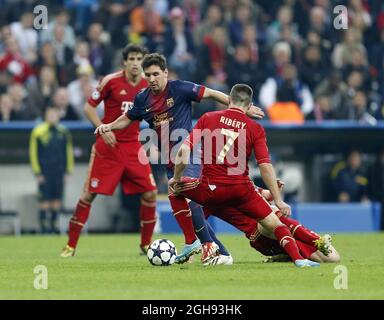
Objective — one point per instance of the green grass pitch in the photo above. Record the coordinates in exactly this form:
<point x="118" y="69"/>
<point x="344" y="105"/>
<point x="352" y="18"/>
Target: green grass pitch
<point x="109" y="267"/>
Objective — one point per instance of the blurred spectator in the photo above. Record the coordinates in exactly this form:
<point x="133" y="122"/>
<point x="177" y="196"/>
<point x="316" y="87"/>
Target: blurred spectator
<point x="5" y="34"/>
<point x="213" y="54"/>
<point x="349" y="179"/>
<point x="322" y="110"/>
<point x="61" y="19"/>
<point x="18" y="95"/>
<point x="336" y="90"/>
<point x="287" y="35"/>
<point x="377" y="58"/>
<point x="51" y="158"/>
<point x="319" y="23"/>
<point x="355" y="82"/>
<point x="193" y="13"/>
<point x="80" y="89"/>
<point x="100" y="55"/>
<point x="82" y="12"/>
<point x="376" y="182"/>
<point x="358" y="109"/>
<point x="60" y="101"/>
<point x="145" y="20"/>
<point x="178" y="45"/>
<point x="7" y="112"/>
<point x="14" y="62"/>
<point x="212" y="19"/>
<point x="256" y="51"/>
<point x="63" y="52"/>
<point x="80" y="58"/>
<point x="281" y="54"/>
<point x="290" y="89"/>
<point x="358" y="63"/>
<point x="358" y="14"/>
<point x="26" y="36"/>
<point x="240" y="69"/>
<point x="342" y="53"/>
<point x="40" y="92"/>
<point x="284" y="18"/>
<point x="313" y="70"/>
<point x="5" y="81"/>
<point x="325" y="46"/>
<point x="242" y="17"/>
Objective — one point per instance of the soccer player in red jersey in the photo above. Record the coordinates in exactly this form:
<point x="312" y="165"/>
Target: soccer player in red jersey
<point x="228" y="138"/>
<point x="115" y="155"/>
<point x="167" y="107"/>
<point x="310" y="244"/>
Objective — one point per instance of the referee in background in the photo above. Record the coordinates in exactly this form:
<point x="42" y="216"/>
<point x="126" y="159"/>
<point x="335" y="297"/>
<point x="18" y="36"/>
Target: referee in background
<point x="51" y="158"/>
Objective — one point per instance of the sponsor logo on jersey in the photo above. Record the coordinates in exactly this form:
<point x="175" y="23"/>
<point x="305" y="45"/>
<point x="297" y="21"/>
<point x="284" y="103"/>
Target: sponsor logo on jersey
<point x="123" y="92"/>
<point x="161" y="119"/>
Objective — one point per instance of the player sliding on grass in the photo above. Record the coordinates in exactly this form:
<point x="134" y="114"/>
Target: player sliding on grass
<point x="310" y="244"/>
<point x="114" y="156"/>
<point x="228" y="138"/>
<point x="166" y="106"/>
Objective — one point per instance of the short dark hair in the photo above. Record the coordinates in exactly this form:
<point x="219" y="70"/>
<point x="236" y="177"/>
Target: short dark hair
<point x="133" y="48"/>
<point x="241" y="95"/>
<point x="155" y="59"/>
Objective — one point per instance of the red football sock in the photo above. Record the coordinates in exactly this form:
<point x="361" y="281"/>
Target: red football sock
<point x="287" y="242"/>
<point x="298" y="231"/>
<point x="77" y="222"/>
<point x="183" y="216"/>
<point x="147" y="221"/>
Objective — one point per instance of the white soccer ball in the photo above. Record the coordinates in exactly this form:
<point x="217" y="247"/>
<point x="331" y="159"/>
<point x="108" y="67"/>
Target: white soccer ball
<point x="162" y="252"/>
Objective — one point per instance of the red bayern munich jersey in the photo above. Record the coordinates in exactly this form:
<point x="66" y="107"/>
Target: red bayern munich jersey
<point x="118" y="95"/>
<point x="228" y="138"/>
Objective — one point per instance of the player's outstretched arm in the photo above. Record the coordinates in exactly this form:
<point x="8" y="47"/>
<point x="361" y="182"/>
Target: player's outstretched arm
<point x="120" y="123"/>
<point x="253" y="111"/>
<point x="91" y="113"/>
<point x="216" y="95"/>
<point x="269" y="177"/>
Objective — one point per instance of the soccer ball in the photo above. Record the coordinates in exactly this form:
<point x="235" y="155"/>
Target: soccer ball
<point x="162" y="252"/>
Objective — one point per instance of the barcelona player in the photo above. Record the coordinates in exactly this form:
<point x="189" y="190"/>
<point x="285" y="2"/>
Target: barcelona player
<point x="166" y="106"/>
<point x="114" y="156"/>
<point x="228" y="139"/>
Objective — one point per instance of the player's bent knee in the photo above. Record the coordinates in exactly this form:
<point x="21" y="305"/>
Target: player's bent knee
<point x="149" y="196"/>
<point x="88" y="197"/>
<point x="270" y="222"/>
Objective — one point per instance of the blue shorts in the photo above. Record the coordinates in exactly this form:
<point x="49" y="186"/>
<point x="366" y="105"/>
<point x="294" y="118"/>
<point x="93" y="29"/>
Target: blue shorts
<point x="192" y="170"/>
<point x="51" y="188"/>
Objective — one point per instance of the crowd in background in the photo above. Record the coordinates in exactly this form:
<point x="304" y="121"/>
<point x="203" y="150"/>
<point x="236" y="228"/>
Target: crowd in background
<point x="288" y="51"/>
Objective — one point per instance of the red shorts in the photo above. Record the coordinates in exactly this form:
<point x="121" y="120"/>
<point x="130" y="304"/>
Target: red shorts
<point x="263" y="244"/>
<point x="111" y="165"/>
<point x="242" y="196"/>
<point x="235" y="218"/>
